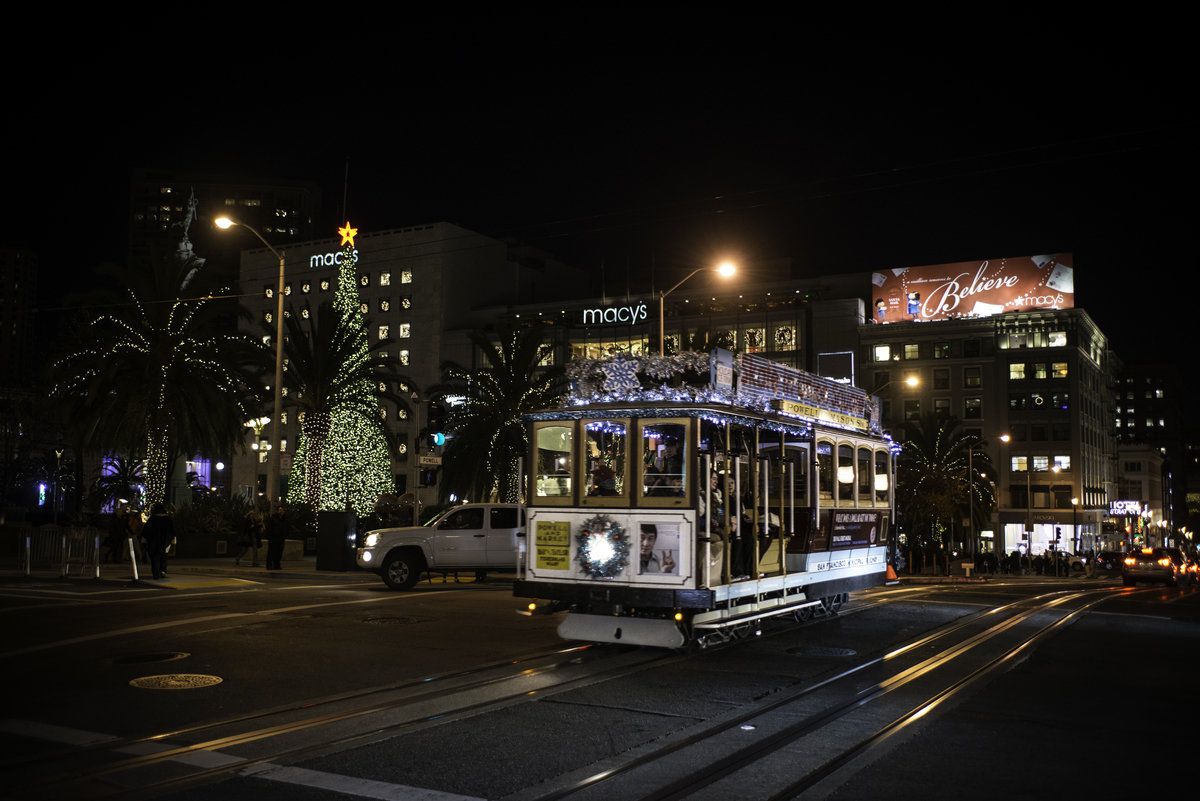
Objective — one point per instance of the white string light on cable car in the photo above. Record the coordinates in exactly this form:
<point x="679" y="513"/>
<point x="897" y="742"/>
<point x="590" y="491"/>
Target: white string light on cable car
<point x="603" y="547"/>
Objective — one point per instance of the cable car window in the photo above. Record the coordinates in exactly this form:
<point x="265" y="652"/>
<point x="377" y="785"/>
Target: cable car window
<point x="666" y="456"/>
<point x="555" y="463"/>
<point x="606" y="457"/>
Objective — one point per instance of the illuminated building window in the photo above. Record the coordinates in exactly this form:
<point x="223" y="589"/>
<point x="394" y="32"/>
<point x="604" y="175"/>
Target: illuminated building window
<point x="306" y="288"/>
<point x="883" y="353"/>
<point x="1057" y="339"/>
<point x="726" y="338"/>
<point x="785" y="338"/>
<point x="304" y="313"/>
<point x="912" y="351"/>
<point x="1063" y="463"/>
<point x="1158" y="393"/>
<point x="404" y="330"/>
<point x="283" y="391"/>
<point x="941" y="407"/>
<point x="1149" y="422"/>
<point x="364" y="279"/>
<point x="364" y="307"/>
<point x="1041" y="464"/>
<point x="381" y="354"/>
<point x="385" y="279"/>
<point x="269" y="291"/>
<point x="383" y="386"/>
<point x="402" y="387"/>
<point x="912" y="409"/>
<point x="166" y="190"/>
<point x="974" y="409"/>
<point x="401" y="414"/>
<point x="1131" y="423"/>
<point x="406" y="303"/>
<point x="1019" y="464"/>
<point x="267" y="340"/>
<point x="404" y="357"/>
<point x="402" y="447"/>
<point x="1016" y="372"/>
<point x="972" y="377"/>
<point x="941" y="350"/>
<point x="754" y="340"/>
<point x="383" y="332"/>
<point x="1017" y="403"/>
<point x="1058" y="370"/>
<point x="287" y="290"/>
<point x="268" y="317"/>
<point x="406" y="276"/>
<point x="1037" y="399"/>
<point x="325" y="285"/>
<point x="1062" y="401"/>
<point x="383" y="413"/>
<point x="283" y="418"/>
<point x="385" y="304"/>
<point x="230" y="201"/>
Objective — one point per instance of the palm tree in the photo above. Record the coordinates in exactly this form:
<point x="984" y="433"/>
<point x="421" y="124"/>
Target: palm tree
<point x="486" y="404"/>
<point x="932" y="477"/>
<point x="158" y="369"/>
<point x="331" y="370"/>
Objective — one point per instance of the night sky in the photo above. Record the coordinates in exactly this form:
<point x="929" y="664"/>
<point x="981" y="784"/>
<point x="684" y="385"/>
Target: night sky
<point x="845" y="157"/>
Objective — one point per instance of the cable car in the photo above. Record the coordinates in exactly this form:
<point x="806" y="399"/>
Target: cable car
<point x="673" y="514"/>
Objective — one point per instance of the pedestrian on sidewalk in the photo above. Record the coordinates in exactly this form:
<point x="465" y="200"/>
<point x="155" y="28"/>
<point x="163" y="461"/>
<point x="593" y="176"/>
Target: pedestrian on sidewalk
<point x="159" y="533"/>
<point x="251" y="539"/>
<point x="278" y="529"/>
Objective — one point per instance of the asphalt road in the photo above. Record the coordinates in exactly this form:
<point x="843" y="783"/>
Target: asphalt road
<point x="520" y="718"/>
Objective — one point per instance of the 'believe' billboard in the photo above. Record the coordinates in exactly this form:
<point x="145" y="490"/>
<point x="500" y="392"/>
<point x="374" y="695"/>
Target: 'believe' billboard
<point x="973" y="289"/>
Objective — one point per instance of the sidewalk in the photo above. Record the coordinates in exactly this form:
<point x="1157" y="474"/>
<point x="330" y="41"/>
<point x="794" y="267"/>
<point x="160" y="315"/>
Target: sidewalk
<point x="986" y="578"/>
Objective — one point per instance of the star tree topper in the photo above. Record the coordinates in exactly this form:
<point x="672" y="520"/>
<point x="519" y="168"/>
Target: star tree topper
<point x="348" y="234"/>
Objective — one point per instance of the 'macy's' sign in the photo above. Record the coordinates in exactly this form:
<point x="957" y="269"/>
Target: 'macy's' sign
<point x="616" y="314"/>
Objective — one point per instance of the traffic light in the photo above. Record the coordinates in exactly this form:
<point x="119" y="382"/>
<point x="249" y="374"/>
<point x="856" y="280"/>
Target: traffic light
<point x="437" y="424"/>
<point x="428" y="478"/>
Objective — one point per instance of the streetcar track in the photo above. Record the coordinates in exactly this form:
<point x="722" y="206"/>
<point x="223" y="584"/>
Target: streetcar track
<point x="791" y="698"/>
<point x="1056" y="598"/>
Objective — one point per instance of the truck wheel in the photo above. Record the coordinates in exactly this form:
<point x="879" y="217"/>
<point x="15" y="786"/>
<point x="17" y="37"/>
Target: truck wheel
<point x="401" y="572"/>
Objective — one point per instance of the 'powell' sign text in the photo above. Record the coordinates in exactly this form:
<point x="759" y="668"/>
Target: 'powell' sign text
<point x="615" y="314"/>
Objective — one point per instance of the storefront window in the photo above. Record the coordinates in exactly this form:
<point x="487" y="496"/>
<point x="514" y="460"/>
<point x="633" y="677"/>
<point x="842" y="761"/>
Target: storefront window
<point x="785" y="337"/>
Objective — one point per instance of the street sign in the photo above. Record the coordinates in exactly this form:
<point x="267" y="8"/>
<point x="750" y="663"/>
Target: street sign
<point x="433" y="461"/>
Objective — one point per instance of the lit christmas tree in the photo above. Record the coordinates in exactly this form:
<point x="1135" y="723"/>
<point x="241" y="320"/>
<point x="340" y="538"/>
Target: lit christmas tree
<point x="355" y="465"/>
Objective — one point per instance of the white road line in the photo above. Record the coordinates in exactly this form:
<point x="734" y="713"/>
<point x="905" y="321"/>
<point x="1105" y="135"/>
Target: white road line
<point x="364" y="788"/>
<point x="350" y="785"/>
<point x="170" y="624"/>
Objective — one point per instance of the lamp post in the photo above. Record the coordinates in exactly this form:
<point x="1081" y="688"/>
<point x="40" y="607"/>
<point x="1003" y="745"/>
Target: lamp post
<point x="971" y="485"/>
<point x="1075" y="525"/>
<point x="276" y="433"/>
<point x="726" y="269"/>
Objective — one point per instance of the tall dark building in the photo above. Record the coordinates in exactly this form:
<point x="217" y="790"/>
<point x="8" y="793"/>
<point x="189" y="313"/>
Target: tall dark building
<point x="18" y="283"/>
<point x="284" y="212"/>
<point x="1149" y="411"/>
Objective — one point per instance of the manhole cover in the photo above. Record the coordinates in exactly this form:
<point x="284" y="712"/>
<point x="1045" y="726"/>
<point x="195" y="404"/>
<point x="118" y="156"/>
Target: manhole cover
<point x="175" y="681"/>
<point x="389" y="621"/>
<point x="818" y="650"/>
<point x="141" y="659"/>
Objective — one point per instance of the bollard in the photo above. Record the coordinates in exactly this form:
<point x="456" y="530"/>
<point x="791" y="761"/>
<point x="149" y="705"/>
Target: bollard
<point x="97" y="552"/>
<point x="65" y="569"/>
<point x="133" y="559"/>
<point x="27" y="560"/>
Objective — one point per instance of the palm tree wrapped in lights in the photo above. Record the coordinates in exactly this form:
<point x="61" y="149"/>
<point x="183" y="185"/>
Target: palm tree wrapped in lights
<point x="480" y="460"/>
<point x="158" y="373"/>
<point x="938" y="479"/>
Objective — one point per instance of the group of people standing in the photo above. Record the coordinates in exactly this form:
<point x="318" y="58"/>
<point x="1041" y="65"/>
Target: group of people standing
<point x="147" y="542"/>
<point x="275" y="526"/>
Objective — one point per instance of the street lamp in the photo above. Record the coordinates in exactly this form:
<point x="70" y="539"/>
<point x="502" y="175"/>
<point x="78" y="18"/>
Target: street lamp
<point x="971" y="481"/>
<point x="1075" y="525"/>
<point x="273" y="454"/>
<point x="727" y="269"/>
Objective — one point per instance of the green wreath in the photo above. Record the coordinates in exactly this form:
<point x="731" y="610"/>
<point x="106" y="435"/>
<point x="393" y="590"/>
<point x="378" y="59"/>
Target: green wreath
<point x="603" y="550"/>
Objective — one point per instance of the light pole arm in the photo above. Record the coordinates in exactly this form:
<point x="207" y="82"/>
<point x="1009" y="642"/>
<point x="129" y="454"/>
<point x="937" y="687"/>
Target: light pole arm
<point x="661" y="295"/>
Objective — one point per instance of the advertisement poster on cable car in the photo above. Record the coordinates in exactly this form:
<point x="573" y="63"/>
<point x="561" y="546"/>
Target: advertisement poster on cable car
<point x="855" y="529"/>
<point x="658" y="551"/>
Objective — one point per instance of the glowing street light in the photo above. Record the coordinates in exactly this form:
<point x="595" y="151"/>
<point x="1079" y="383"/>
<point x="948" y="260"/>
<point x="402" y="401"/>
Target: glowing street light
<point x="725" y="269"/>
<point x="276" y="434"/>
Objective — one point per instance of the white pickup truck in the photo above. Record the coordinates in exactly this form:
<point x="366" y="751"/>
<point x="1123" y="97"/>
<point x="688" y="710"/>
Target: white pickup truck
<point x="474" y="537"/>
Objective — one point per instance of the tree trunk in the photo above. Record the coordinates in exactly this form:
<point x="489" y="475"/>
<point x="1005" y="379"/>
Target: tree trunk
<point x="316" y="431"/>
<point x="156" y="467"/>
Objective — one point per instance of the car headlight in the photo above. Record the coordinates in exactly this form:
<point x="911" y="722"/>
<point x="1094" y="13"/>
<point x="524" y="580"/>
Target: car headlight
<point x="371" y="541"/>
